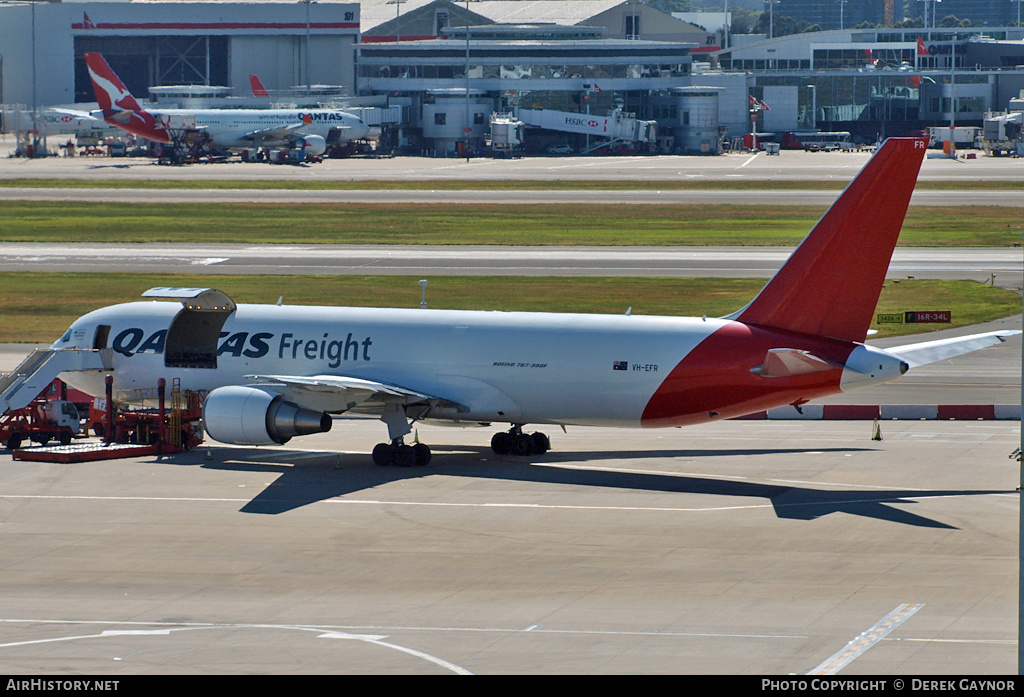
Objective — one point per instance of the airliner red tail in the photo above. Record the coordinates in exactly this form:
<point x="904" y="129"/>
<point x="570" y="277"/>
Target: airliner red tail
<point x="258" y="90"/>
<point x="830" y="285"/>
<point x="118" y="105"/>
<point x="800" y="338"/>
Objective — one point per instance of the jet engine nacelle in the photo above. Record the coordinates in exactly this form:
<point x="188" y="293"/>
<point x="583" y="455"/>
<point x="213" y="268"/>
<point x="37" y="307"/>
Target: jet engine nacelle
<point x="254" y="416"/>
<point x="314" y="145"/>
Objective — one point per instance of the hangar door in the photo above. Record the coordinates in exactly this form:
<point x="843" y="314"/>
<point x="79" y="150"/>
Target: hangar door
<point x="144" y="62"/>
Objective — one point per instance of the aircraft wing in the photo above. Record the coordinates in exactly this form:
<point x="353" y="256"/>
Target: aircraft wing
<point x="941" y="349"/>
<point x="272" y="134"/>
<point x="341" y="392"/>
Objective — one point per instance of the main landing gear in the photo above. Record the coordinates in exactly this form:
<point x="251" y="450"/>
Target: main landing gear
<point x="398" y="453"/>
<point x="515" y="442"/>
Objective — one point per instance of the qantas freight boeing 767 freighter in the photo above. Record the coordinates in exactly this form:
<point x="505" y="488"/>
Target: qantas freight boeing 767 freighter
<point x="277" y="371"/>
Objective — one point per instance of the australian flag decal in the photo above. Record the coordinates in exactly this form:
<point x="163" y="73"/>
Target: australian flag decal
<point x="620" y="365"/>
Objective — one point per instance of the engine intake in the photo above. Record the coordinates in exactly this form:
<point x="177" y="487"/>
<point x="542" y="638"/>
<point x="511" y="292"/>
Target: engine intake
<point x="314" y="144"/>
<point x="254" y="416"/>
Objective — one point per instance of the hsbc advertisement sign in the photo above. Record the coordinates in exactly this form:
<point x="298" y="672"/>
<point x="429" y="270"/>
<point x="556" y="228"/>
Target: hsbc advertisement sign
<point x="584" y="123"/>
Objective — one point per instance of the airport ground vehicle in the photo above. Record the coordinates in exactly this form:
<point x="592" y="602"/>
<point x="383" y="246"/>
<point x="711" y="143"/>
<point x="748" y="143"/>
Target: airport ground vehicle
<point x="959" y="136"/>
<point x="41" y="421"/>
<point x="135" y="424"/>
<point x="816" y="141"/>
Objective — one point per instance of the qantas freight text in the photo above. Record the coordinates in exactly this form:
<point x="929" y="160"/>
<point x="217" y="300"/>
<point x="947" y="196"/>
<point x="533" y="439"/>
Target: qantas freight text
<point x="257" y="345"/>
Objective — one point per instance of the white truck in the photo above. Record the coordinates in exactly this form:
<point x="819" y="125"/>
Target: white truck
<point x="40" y="421"/>
<point x="1001" y="134"/>
<point x="961" y="136"/>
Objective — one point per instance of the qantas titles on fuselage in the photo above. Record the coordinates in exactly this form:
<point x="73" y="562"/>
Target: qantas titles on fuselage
<point x="327" y="348"/>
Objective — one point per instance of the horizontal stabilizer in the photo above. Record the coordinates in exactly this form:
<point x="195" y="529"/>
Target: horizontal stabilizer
<point x="941" y="349"/>
<point x="74" y="112"/>
<point x="779" y="363"/>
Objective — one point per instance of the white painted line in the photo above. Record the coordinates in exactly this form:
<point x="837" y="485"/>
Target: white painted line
<point x="368" y="638"/>
<point x="751" y="159"/>
<point x="842" y="658"/>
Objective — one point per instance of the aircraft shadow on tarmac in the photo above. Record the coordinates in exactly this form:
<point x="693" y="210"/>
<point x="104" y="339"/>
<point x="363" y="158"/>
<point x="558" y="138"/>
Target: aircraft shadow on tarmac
<point x="308" y="479"/>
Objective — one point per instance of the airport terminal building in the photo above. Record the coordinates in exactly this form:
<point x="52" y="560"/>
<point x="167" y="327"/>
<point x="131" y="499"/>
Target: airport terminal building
<point x="878" y="82"/>
<point x="449" y="66"/>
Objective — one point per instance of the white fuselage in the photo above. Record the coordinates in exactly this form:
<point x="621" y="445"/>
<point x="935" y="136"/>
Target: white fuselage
<point x="240" y="128"/>
<point x="498" y="366"/>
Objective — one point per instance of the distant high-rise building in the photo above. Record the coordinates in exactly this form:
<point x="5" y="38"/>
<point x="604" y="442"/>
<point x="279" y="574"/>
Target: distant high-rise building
<point x="833" y="14"/>
<point x="992" y="13"/>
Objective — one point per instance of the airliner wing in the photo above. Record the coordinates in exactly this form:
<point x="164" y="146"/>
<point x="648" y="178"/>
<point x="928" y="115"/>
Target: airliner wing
<point x="277" y="133"/>
<point x="347" y="392"/>
<point x="941" y="349"/>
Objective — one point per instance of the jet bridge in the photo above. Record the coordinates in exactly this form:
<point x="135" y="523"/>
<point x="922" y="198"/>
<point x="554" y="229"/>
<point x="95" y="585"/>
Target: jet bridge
<point x="37" y="371"/>
<point x="618" y="126"/>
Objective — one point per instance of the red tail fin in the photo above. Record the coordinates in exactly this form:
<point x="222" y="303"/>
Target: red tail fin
<point x="830" y="285"/>
<point x="258" y="90"/>
<point x="110" y="91"/>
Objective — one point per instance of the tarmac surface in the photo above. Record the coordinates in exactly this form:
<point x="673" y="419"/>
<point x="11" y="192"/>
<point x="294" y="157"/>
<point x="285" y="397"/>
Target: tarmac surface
<point x="789" y="165"/>
<point x="1002" y="266"/>
<point x="735" y="548"/>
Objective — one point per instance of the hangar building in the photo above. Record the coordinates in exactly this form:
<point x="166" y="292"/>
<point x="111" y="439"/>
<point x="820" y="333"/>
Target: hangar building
<point x="172" y="43"/>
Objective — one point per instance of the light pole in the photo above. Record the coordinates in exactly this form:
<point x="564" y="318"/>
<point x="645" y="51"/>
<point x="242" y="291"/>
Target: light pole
<point x="814" y="106"/>
<point x="35" y="103"/>
<point x="842" y="8"/>
<point x="398" y="18"/>
<point x="771" y="17"/>
<point x="309" y="87"/>
<point x="725" y="25"/>
<point x="469" y="126"/>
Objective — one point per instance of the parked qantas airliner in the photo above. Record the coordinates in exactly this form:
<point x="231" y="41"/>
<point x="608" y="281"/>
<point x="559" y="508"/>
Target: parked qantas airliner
<point x="311" y="129"/>
<point x="277" y="371"/>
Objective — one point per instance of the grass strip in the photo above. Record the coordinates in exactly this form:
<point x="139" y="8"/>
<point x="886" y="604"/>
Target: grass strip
<point x="39" y="307"/>
<point x="478" y="224"/>
<point x="491" y="185"/>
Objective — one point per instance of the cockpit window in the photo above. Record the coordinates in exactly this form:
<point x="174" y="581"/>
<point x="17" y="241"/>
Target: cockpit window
<point x="66" y="338"/>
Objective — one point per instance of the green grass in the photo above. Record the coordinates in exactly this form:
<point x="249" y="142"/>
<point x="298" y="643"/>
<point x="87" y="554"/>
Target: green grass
<point x="38" y="307"/>
<point x="482" y="224"/>
<point x="487" y="184"/>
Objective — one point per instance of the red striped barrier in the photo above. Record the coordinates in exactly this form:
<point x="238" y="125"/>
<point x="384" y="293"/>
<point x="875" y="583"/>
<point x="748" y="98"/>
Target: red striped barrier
<point x="970" y="412"/>
<point x="850" y="412"/>
<point x="912" y="412"/>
